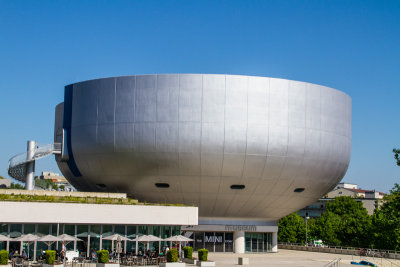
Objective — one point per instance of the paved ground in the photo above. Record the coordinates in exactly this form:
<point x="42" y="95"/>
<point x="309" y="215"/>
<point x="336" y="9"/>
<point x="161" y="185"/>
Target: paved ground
<point x="290" y="258"/>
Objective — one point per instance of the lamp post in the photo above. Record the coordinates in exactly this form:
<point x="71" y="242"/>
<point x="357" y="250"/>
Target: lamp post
<point x="306" y="229"/>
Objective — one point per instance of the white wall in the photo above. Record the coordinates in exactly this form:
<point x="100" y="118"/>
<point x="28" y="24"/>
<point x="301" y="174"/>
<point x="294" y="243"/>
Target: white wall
<point x="37" y="212"/>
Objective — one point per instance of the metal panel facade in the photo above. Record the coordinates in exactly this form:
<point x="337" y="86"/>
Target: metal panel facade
<point x="201" y="134"/>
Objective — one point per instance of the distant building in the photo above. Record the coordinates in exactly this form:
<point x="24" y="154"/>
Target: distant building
<point x="347" y="185"/>
<point x="369" y="198"/>
<point x="5" y="183"/>
<point x="57" y="179"/>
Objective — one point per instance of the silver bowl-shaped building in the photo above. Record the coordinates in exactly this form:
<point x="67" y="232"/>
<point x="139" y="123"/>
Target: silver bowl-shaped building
<point x="239" y="147"/>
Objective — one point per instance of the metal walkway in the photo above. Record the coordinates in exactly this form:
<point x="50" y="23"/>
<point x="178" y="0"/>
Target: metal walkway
<point x="18" y="166"/>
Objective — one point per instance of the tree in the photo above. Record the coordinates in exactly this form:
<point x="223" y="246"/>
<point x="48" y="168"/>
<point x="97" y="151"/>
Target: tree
<point x="16" y="186"/>
<point x="326" y="228"/>
<point x="292" y="229"/>
<point x="397" y="155"/>
<point x="386" y="221"/>
<point x="345" y="222"/>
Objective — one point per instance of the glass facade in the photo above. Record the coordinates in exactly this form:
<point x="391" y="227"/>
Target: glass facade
<point x="223" y="241"/>
<point x="258" y="242"/>
<point x="91" y="236"/>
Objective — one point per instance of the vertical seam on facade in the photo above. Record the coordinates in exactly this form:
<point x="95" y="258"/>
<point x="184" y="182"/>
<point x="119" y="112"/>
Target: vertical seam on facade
<point x="156" y="119"/>
<point x="305" y="128"/>
<point x="287" y="138"/>
<point x="201" y="133"/>
<point x="179" y="130"/>
<point x="268" y="125"/>
<point x="223" y="149"/>
<point x="115" y="108"/>
<point x="134" y="114"/>
<point x="247" y="127"/>
<point x="97" y="118"/>
<point x="201" y="128"/>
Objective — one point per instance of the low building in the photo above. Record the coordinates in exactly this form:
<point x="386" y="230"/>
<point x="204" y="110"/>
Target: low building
<point x="101" y="215"/>
<point x="57" y="179"/>
<point x="347" y="185"/>
<point x="5" y="183"/>
<point x="369" y="198"/>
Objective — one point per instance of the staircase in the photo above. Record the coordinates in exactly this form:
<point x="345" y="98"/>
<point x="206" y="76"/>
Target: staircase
<point x="21" y="165"/>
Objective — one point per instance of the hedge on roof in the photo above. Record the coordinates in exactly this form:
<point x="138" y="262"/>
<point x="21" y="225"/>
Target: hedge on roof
<point x="50" y="256"/>
<point x="172" y="255"/>
<point x="102" y="256"/>
<point x="188" y="252"/>
<point x="203" y="254"/>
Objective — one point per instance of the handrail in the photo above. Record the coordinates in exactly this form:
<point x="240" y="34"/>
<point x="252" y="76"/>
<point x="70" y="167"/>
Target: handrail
<point x="334" y="263"/>
<point x="377" y="253"/>
<point x="17" y="164"/>
<point x="374" y="259"/>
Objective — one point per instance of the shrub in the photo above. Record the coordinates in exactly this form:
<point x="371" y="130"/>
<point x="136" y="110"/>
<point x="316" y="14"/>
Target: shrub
<point x="50" y="256"/>
<point x="102" y="256"/>
<point x="188" y="252"/>
<point x="172" y="255"/>
<point x="3" y="257"/>
<point x="203" y="254"/>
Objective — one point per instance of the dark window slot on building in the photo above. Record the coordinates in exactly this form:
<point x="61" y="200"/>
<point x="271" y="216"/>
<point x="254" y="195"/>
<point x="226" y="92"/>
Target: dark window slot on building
<point x="237" y="186"/>
<point x="299" y="190"/>
<point x="162" y="185"/>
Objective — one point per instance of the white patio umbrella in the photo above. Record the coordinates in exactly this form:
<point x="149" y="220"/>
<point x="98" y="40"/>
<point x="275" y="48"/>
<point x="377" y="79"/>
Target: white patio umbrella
<point x="66" y="239"/>
<point x="14" y="234"/>
<point x="178" y="239"/>
<point x="5" y="238"/>
<point x="85" y="234"/>
<point x="147" y="238"/>
<point x="49" y="239"/>
<point x="118" y="239"/>
<point x="115" y="237"/>
<point x="29" y="238"/>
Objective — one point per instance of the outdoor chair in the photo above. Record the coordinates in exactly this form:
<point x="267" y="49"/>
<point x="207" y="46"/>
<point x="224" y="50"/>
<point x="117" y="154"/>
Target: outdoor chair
<point x="18" y="262"/>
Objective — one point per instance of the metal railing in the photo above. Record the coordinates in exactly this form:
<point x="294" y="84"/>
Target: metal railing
<point x="380" y="261"/>
<point x="17" y="164"/>
<point x="367" y="252"/>
<point x="334" y="263"/>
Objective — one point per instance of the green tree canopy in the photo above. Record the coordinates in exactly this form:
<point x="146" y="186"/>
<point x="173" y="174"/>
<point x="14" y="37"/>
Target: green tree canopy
<point x="345" y="222"/>
<point x="292" y="229"/>
<point x="397" y="156"/>
<point x="16" y="186"/>
<point x="386" y="221"/>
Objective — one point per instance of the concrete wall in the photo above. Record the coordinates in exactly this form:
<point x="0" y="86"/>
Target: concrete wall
<point x="72" y="213"/>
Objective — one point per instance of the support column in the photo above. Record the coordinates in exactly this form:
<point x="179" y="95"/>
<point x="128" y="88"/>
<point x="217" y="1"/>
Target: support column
<point x="274" y="242"/>
<point x="239" y="241"/>
<point x="30" y="166"/>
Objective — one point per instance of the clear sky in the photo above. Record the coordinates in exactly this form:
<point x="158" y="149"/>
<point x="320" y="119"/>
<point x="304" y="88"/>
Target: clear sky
<point x="353" y="46"/>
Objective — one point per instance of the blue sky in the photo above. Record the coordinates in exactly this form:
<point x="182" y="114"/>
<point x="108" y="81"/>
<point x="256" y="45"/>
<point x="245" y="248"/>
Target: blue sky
<point x="353" y="46"/>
